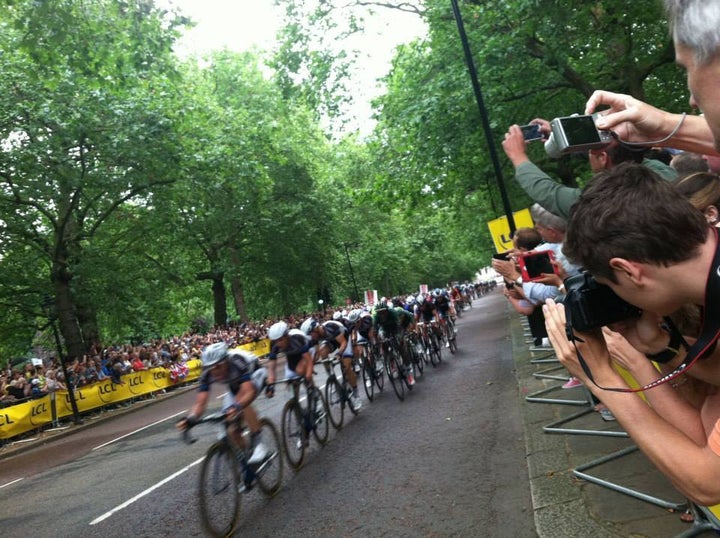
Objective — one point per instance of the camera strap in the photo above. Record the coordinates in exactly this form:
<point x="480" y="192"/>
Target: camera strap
<point x="704" y="345"/>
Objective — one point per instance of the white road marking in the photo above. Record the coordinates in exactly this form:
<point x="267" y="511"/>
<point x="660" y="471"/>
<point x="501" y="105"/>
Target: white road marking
<point x="146" y="492"/>
<point x="11" y="483"/>
<point x="138" y="430"/>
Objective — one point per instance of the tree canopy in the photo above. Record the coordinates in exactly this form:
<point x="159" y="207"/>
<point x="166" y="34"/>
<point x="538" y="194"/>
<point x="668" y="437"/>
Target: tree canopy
<point x="140" y="191"/>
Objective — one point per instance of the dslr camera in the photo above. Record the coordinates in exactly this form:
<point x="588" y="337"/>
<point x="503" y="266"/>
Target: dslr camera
<point x="575" y="133"/>
<point x="590" y="305"/>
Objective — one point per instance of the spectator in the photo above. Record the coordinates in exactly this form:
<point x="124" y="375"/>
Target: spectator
<point x="687" y="163"/>
<point x="557" y="198"/>
<point x="656" y="251"/>
<point x="703" y="192"/>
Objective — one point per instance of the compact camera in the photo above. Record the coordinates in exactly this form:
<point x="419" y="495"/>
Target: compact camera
<point x="575" y="133"/>
<point x="589" y="305"/>
<point x="531" y="132"/>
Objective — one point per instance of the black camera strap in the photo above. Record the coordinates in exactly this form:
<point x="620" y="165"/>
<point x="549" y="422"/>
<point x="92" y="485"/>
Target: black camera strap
<point x="704" y="345"/>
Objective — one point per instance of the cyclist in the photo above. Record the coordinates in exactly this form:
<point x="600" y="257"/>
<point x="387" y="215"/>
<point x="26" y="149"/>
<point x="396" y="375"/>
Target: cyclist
<point x="330" y="336"/>
<point x="388" y="319"/>
<point x="425" y="312"/>
<point x="297" y="349"/>
<point x="443" y="306"/>
<point x="244" y="378"/>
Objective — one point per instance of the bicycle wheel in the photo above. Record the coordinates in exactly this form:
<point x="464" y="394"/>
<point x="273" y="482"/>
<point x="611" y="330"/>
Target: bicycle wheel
<point x="348" y="391"/>
<point x="368" y="377"/>
<point x="379" y="363"/>
<point x="270" y="471"/>
<point x="293" y="434"/>
<point x="321" y="422"/>
<point x="450" y="337"/>
<point x="417" y="361"/>
<point x="394" y="372"/>
<point x="219" y="490"/>
<point x="335" y="403"/>
<point x="435" y="349"/>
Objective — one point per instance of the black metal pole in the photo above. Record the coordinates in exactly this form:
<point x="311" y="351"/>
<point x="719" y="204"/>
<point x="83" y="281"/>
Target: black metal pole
<point x="352" y="274"/>
<point x="483" y="114"/>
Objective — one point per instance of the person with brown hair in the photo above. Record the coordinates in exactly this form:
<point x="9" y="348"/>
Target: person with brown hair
<point x="633" y="232"/>
<point x="702" y="189"/>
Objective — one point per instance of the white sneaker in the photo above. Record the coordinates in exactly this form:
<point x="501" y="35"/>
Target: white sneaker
<point x="259" y="454"/>
<point x="355" y="401"/>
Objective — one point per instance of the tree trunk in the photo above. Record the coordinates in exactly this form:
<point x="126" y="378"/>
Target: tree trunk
<point x="236" y="286"/>
<point x="69" y="327"/>
<point x="219" y="300"/>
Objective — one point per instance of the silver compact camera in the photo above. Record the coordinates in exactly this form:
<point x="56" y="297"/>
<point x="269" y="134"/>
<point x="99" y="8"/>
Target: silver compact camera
<point x="575" y="133"/>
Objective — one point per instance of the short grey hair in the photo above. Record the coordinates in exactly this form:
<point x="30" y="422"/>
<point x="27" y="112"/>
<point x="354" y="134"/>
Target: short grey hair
<point x="696" y="25"/>
<point x="543" y="217"/>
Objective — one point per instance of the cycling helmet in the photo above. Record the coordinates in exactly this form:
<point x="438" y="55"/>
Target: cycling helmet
<point x="278" y="330"/>
<point x="383" y="303"/>
<point x="354" y="315"/>
<point x="337" y="315"/>
<point x="213" y="354"/>
<point x="410" y="299"/>
<point x="308" y="325"/>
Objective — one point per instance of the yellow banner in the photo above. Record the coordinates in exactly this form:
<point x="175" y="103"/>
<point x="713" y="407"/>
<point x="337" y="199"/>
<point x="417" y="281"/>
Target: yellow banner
<point x="260" y="348"/>
<point x="23" y="417"/>
<point x="20" y="418"/>
<point x="500" y="228"/>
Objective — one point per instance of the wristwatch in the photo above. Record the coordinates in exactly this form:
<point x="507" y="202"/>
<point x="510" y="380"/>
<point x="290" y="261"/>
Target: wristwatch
<point x="519" y="281"/>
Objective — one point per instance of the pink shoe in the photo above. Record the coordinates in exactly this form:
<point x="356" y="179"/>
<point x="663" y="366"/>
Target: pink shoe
<point x="572" y="383"/>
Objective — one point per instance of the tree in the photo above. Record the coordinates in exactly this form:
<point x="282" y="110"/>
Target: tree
<point x="87" y="128"/>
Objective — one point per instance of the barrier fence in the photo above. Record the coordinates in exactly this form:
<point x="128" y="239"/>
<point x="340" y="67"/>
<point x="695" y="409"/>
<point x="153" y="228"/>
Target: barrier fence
<point x="39" y="412"/>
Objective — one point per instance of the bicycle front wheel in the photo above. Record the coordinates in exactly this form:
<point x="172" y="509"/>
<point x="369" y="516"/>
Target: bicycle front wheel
<point x="293" y="434"/>
<point x="321" y="422"/>
<point x="335" y="403"/>
<point x="368" y="377"/>
<point x="392" y="366"/>
<point x="219" y="490"/>
<point x="270" y="471"/>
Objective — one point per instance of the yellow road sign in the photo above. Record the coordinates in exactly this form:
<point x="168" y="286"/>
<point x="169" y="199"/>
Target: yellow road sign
<point x="500" y="229"/>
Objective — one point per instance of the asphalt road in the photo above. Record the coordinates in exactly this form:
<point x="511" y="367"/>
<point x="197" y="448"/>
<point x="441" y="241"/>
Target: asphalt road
<point x="448" y="461"/>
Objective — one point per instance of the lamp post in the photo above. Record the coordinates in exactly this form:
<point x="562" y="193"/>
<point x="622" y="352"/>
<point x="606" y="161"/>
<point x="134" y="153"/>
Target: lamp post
<point x="352" y="274"/>
<point x="49" y="309"/>
<point x="483" y="114"/>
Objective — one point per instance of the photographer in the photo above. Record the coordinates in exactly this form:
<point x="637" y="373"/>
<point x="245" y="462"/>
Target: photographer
<point x="553" y="196"/>
<point x="634" y="234"/>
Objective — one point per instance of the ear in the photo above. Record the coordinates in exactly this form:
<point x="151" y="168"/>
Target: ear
<point x="712" y="214"/>
<point x="632" y="271"/>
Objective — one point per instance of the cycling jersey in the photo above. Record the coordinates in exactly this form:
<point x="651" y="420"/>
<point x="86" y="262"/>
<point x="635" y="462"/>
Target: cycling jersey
<point x="426" y="310"/>
<point x="242" y="365"/>
<point x="298" y="345"/>
<point x="363" y="325"/>
<point x="442" y="304"/>
<point x="387" y="320"/>
<point x="333" y="329"/>
<point x="405" y="318"/>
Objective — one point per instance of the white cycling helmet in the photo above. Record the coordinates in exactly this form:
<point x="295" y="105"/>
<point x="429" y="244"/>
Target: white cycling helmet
<point x="213" y="354"/>
<point x="308" y="325"/>
<point x="278" y="330"/>
<point x="355" y="315"/>
<point x="337" y="315"/>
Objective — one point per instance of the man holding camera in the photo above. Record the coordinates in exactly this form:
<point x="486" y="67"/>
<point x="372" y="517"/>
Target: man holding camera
<point x="634" y="234"/>
<point x="656" y="252"/>
<point x="558" y="198"/>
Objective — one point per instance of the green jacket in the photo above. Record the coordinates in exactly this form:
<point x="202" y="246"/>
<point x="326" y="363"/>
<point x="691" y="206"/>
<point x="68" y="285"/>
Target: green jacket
<point x="557" y="198"/>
